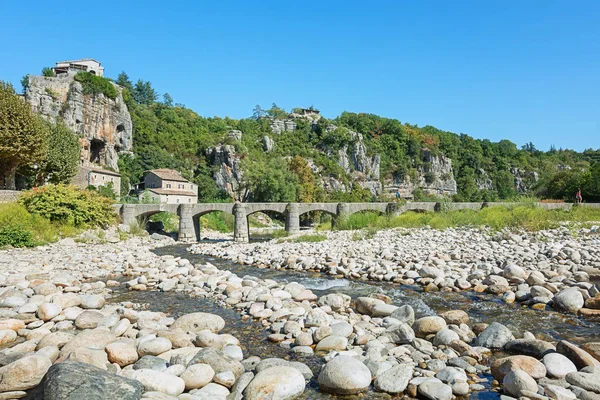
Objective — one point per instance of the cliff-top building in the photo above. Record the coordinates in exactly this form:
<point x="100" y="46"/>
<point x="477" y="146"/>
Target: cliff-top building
<point x="85" y="64"/>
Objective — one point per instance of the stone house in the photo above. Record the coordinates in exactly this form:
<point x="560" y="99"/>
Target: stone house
<point x="96" y="176"/>
<point x="85" y="64"/>
<point x="168" y="186"/>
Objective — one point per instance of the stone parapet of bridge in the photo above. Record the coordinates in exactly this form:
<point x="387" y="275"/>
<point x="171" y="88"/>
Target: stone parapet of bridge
<point x="189" y="214"/>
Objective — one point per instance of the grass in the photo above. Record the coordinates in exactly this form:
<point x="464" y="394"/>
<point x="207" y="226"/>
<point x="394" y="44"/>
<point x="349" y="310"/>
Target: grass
<point x="169" y="220"/>
<point x="138" y="227"/>
<point x="15" y="217"/>
<point x="217" y="221"/>
<point x="518" y="216"/>
<point x="314" y="238"/>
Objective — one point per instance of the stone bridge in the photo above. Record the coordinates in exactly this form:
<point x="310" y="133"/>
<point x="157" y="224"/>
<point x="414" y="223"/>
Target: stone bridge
<point x="189" y="214"/>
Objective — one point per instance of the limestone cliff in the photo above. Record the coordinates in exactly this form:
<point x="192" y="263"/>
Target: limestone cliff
<point x="103" y="124"/>
<point x="435" y="177"/>
<point x="228" y="174"/>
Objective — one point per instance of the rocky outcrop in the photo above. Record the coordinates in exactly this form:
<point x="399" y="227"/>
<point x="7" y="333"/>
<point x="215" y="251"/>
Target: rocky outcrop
<point x="524" y="179"/>
<point x="228" y="174"/>
<point x="435" y="177"/>
<point x="483" y="180"/>
<point x="268" y="144"/>
<point x="103" y="124"/>
<point x="361" y="167"/>
<point x="279" y="126"/>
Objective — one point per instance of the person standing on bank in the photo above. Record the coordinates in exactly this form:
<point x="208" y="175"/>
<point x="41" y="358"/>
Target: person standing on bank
<point x="578" y="196"/>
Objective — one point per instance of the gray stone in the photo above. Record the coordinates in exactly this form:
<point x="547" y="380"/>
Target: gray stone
<point x="24" y="373"/>
<point x="400" y="333"/>
<point x="404" y="314"/>
<point x="517" y="381"/>
<point x="218" y="361"/>
<point x="495" y="336"/>
<point x="344" y="375"/>
<point x="557" y="365"/>
<point x="395" y="379"/>
<point x="151" y="362"/>
<point x="275" y="383"/>
<point x="196" y="322"/>
<point x="73" y="380"/>
<point x="432" y="390"/>
<point x="569" y="299"/>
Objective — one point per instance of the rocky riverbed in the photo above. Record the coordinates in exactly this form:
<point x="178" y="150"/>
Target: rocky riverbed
<point x="90" y="319"/>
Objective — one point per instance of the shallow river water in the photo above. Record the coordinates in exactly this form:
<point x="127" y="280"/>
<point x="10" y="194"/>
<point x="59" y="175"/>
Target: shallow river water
<point x="548" y="325"/>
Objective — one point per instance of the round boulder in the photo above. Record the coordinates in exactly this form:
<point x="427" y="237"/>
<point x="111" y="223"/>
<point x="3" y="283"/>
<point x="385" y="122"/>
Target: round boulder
<point x="275" y="383"/>
<point x="344" y="375"/>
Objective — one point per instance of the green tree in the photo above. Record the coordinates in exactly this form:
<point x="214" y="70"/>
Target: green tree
<point x="270" y="181"/>
<point x="307" y="188"/>
<point x="124" y="81"/>
<point x="144" y="93"/>
<point x="63" y="154"/>
<point x="167" y="100"/>
<point x="25" y="83"/>
<point x="23" y="136"/>
<point x="276" y="112"/>
<point x="47" y="71"/>
<point x="258" y="112"/>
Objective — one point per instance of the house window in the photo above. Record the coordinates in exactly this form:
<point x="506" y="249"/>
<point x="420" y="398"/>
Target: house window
<point x="168" y="186"/>
<point x="189" y="200"/>
<point x="178" y="200"/>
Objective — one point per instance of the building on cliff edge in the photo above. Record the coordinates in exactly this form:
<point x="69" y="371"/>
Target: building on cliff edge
<point x="85" y="64"/>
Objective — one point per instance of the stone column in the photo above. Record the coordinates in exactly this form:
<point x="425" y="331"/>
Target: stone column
<point x="128" y="214"/>
<point x="292" y="219"/>
<point x="187" y="230"/>
<point x="240" y="230"/>
<point x="343" y="211"/>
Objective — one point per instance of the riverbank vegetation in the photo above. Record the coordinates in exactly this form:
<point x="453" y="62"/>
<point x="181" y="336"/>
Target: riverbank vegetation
<point x="48" y="213"/>
<point x="519" y="216"/>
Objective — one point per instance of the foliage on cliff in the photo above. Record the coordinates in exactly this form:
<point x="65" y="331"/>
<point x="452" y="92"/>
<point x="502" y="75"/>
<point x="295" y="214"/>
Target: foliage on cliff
<point x="172" y="136"/>
<point x="93" y="84"/>
<point x="60" y="163"/>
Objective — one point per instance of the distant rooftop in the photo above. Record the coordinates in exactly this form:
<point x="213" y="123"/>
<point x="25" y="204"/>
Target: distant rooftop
<point x="168" y="174"/>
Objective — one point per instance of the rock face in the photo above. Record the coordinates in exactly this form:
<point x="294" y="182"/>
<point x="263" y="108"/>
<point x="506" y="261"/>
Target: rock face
<point x="73" y="380"/>
<point x="103" y="124"/>
<point x="363" y="168"/>
<point x="228" y="176"/>
<point x="436" y="177"/>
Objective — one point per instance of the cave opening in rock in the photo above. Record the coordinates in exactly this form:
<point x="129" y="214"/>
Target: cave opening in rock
<point x="97" y="148"/>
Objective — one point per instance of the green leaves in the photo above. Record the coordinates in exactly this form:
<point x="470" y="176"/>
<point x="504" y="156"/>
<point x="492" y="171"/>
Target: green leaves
<point x="94" y="85"/>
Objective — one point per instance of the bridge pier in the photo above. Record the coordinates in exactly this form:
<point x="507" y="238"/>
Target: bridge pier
<point x="128" y="213"/>
<point x="189" y="227"/>
<point x="240" y="229"/>
<point x="292" y="219"/>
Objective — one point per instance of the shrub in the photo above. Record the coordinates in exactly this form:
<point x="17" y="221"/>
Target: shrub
<point x="93" y="84"/>
<point x="48" y="72"/>
<point x="70" y="206"/>
<point x="309" y="239"/>
<point x="18" y="219"/>
<point x="16" y="236"/>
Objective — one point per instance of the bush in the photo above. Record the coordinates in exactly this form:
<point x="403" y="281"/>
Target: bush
<point x="93" y="84"/>
<point x="70" y="206"/>
<point x="48" y="72"/>
<point x="17" y="219"/>
<point x="16" y="236"/>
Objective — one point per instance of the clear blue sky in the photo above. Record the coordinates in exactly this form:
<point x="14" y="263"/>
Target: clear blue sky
<point x="521" y="70"/>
